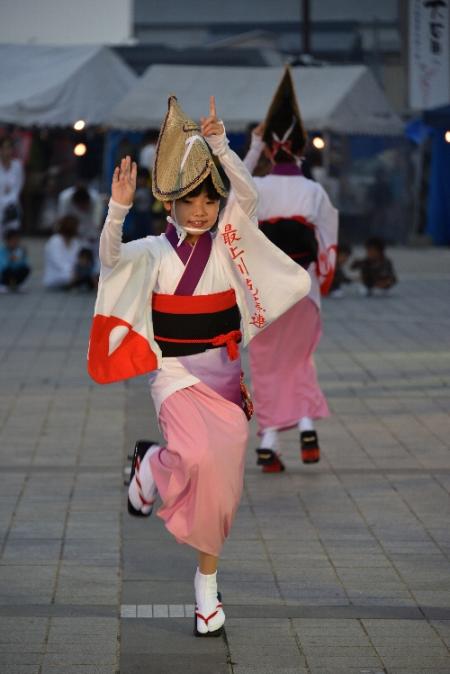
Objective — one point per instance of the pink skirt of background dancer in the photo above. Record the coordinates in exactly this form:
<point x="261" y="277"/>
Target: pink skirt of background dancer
<point x="199" y="474"/>
<point x="284" y="378"/>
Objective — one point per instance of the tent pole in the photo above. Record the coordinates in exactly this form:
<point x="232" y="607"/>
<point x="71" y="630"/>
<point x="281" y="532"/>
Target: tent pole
<point x="306" y="27"/>
<point x="418" y="197"/>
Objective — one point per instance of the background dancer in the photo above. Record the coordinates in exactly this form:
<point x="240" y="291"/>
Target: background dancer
<point x="178" y="305"/>
<point x="297" y="216"/>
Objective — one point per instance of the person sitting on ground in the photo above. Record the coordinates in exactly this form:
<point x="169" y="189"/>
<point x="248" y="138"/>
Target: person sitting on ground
<point x="340" y="277"/>
<point x="87" y="206"/>
<point x="14" y="266"/>
<point x="61" y="254"/>
<point x="11" y="183"/>
<point x="147" y="152"/>
<point x="376" y="270"/>
<point x="84" y="275"/>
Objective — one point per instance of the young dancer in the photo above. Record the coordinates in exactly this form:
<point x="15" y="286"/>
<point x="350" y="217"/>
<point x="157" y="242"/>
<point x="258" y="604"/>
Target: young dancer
<point x="297" y="216"/>
<point x="178" y="305"/>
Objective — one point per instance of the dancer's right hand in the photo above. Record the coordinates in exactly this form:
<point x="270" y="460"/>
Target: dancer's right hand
<point x="259" y="130"/>
<point x="124" y="182"/>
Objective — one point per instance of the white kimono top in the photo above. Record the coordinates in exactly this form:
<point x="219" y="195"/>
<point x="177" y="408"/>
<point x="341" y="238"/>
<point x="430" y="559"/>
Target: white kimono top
<point x="286" y="196"/>
<point x="60" y="258"/>
<point x="266" y="282"/>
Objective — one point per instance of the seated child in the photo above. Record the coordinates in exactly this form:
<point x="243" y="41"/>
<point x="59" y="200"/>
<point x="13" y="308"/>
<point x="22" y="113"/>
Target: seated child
<point x="84" y="276"/>
<point x="376" y="270"/>
<point x="340" y="277"/>
<point x="14" y="266"/>
<point x="61" y="254"/>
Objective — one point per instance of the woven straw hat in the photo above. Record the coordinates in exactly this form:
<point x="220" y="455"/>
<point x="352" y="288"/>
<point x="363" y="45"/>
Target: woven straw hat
<point x="284" y="113"/>
<point x="183" y="158"/>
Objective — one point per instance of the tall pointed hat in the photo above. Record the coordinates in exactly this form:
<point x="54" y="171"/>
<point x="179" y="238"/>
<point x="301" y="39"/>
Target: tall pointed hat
<point x="183" y="158"/>
<point x="283" y="125"/>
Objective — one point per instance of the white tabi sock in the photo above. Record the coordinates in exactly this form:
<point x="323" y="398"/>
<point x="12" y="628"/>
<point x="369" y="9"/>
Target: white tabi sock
<point x="209" y="612"/>
<point x="148" y="486"/>
<point x="269" y="439"/>
<point x="305" y="424"/>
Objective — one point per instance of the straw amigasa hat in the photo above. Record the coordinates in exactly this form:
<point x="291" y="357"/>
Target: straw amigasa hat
<point x="284" y="128"/>
<point x="183" y="158"/>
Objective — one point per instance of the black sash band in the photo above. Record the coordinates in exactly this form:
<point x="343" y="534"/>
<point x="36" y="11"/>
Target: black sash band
<point x="294" y="237"/>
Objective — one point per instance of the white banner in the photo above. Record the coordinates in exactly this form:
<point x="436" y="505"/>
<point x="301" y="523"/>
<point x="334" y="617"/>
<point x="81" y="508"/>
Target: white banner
<point x="429" y="54"/>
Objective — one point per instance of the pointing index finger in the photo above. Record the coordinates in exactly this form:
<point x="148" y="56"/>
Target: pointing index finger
<point x="212" y="106"/>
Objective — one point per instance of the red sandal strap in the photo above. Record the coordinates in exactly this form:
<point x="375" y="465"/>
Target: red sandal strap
<point x="206" y="620"/>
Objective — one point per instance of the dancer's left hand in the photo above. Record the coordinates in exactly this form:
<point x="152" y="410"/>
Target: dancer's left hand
<point x="211" y="126"/>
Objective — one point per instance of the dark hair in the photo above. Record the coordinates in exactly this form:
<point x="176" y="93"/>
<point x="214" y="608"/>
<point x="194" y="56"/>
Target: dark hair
<point x="206" y="186"/>
<point x="282" y="157"/>
<point x="11" y="234"/>
<point x="81" y="196"/>
<point x="344" y="248"/>
<point x="279" y="124"/>
<point x="376" y="242"/>
<point x="6" y="140"/>
<point x="142" y="172"/>
<point x="86" y="252"/>
<point x="68" y="224"/>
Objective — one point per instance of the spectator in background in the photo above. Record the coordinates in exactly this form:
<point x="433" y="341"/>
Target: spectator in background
<point x="376" y="270"/>
<point x="14" y="265"/>
<point x="138" y="223"/>
<point x="48" y="215"/>
<point x="340" y="277"/>
<point x="84" y="275"/>
<point x="11" y="183"/>
<point x="61" y="254"/>
<point x="148" y="150"/>
<point x="87" y="206"/>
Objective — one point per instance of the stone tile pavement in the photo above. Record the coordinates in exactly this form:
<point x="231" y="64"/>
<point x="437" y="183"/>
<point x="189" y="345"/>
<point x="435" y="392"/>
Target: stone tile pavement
<point x="339" y="568"/>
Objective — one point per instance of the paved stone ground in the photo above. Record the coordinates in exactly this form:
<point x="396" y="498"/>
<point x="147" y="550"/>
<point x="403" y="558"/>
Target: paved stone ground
<point x="339" y="568"/>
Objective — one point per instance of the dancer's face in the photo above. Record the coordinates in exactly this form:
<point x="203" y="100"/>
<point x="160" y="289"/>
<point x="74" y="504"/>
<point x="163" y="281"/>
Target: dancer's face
<point x="199" y="212"/>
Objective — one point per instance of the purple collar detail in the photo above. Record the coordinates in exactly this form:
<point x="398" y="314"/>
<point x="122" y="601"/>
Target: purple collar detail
<point x="183" y="250"/>
<point x="194" y="258"/>
<point x="286" y="169"/>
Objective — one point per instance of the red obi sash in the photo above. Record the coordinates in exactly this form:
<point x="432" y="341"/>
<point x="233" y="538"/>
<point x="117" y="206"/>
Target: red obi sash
<point x="188" y="324"/>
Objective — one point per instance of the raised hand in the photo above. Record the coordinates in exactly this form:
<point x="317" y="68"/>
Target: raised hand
<point x="211" y="126"/>
<point x="259" y="129"/>
<point x="123" y="184"/>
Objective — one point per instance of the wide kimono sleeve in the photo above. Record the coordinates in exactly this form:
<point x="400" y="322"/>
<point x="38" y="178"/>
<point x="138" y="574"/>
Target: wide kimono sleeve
<point x="326" y="221"/>
<point x="252" y="157"/>
<point x="267" y="282"/>
<point x="121" y="342"/>
<point x="243" y="189"/>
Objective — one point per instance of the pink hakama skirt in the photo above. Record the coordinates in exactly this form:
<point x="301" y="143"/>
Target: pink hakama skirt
<point x="199" y="474"/>
<point x="284" y="378"/>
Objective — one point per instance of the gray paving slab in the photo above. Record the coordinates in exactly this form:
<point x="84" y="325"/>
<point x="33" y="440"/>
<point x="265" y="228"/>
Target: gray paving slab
<point x="338" y="568"/>
<point x="20" y="669"/>
<point x="78" y="669"/>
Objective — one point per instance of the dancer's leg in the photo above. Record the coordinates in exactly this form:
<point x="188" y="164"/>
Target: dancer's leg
<point x="209" y="611"/>
<point x="207" y="563"/>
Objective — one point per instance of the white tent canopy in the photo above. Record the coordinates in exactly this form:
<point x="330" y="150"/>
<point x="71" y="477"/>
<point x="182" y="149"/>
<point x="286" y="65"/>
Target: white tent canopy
<point x="55" y="86"/>
<point x="343" y="99"/>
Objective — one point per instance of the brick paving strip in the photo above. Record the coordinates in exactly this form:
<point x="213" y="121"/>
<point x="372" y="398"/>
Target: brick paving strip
<point x="337" y="568"/>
